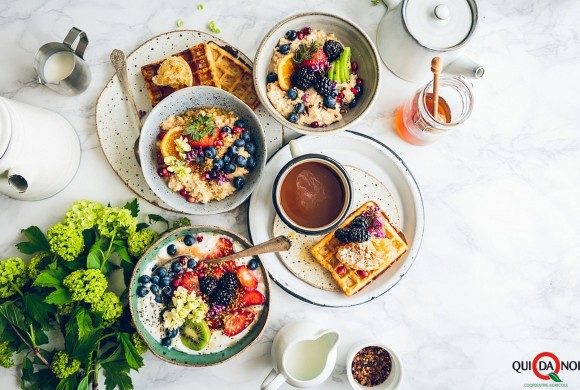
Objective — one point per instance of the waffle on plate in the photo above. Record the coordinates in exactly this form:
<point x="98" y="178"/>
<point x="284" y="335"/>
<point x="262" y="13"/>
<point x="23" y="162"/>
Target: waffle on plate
<point x="361" y="262"/>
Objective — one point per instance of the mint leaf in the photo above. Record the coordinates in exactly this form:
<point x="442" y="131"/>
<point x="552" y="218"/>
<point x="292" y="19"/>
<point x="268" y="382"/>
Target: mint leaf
<point x="133" y="207"/>
<point x="34" y="306"/>
<point x="95" y="256"/>
<point x="37" y="242"/>
<point x="134" y="360"/>
<point x="84" y="323"/>
<point x="50" y="278"/>
<point x="60" y="296"/>
<point x="200" y="126"/>
<point x="554" y="377"/>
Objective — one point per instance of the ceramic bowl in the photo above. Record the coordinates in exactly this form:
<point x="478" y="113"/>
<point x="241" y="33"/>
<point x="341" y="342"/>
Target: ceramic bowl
<point x="394" y="379"/>
<point x="176" y="103"/>
<point x="363" y="52"/>
<point x="157" y="255"/>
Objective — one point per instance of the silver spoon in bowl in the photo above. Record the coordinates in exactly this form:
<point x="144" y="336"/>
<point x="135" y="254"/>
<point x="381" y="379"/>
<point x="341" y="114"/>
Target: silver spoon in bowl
<point x="119" y="62"/>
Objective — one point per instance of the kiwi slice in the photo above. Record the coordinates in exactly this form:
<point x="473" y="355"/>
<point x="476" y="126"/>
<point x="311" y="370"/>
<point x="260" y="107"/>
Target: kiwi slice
<point x="195" y="335"/>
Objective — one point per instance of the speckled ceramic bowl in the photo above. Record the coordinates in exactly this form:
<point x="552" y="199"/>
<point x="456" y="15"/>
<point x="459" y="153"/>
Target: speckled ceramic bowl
<point x="178" y="102"/>
<point x="363" y="52"/>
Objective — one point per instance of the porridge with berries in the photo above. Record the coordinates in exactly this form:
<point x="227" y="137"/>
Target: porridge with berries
<point x="312" y="81"/>
<point x="205" y="154"/>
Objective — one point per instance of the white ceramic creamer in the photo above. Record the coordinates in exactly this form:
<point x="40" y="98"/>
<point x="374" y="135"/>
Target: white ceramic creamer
<point x="412" y="32"/>
<point x="39" y="151"/>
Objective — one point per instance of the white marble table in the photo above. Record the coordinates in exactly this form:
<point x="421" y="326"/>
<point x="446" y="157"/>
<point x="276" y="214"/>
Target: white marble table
<point x="497" y="278"/>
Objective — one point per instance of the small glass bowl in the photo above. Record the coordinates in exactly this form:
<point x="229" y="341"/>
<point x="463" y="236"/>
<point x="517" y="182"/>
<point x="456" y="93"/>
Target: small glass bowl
<point x="394" y="379"/>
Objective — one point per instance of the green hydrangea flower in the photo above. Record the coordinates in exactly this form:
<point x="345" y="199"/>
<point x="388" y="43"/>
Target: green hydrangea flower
<point x="83" y="214"/>
<point x="181" y="222"/>
<point x="13" y="276"/>
<point x="140" y="241"/>
<point x="65" y="310"/>
<point x="6" y="353"/>
<point x="116" y="219"/>
<point x="138" y="343"/>
<point x="34" y="265"/>
<point x="63" y="366"/>
<point x="109" y="306"/>
<point x="87" y="285"/>
<point x="66" y="241"/>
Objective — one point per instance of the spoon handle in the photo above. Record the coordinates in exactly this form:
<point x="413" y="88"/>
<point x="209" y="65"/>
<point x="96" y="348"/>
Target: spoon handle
<point x="280" y="243"/>
<point x="120" y="64"/>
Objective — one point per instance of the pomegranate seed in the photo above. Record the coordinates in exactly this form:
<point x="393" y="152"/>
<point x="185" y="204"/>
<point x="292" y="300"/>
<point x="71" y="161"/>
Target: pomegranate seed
<point x="314" y="125"/>
<point x="163" y="172"/>
<point x="354" y="66"/>
<point x="340" y="96"/>
<point x="300" y="35"/>
<point x="362" y="273"/>
<point x="359" y="81"/>
<point x="176" y="282"/>
<point x="354" y="90"/>
<point x="237" y="129"/>
<point x="306" y="31"/>
<point x="199" y="238"/>
<point x="183" y="192"/>
<point x="201" y="275"/>
<point x="341" y="269"/>
<point x="205" y="176"/>
<point x="183" y="260"/>
<point x="160" y="160"/>
<point x="218" y="143"/>
<point x="161" y="135"/>
<point x="191" y="199"/>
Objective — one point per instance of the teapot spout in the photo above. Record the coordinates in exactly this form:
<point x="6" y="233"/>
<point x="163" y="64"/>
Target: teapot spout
<point x="19" y="178"/>
<point x="465" y="66"/>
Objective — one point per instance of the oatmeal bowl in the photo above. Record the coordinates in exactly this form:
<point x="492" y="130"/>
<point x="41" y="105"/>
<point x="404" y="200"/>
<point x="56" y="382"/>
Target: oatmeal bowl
<point x="202" y="150"/>
<point x="317" y="73"/>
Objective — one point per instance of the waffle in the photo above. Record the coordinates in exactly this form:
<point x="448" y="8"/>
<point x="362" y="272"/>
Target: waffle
<point x="351" y="281"/>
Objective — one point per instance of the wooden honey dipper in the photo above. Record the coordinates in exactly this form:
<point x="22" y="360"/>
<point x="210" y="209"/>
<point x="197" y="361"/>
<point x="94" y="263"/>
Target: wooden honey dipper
<point x="436" y="69"/>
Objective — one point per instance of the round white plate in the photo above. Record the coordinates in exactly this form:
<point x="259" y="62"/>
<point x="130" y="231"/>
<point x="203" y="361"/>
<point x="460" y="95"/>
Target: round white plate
<point x="377" y="159"/>
<point x="116" y="127"/>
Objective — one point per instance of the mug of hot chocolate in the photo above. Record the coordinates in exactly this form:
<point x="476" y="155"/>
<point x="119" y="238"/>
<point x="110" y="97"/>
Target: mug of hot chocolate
<point x="312" y="193"/>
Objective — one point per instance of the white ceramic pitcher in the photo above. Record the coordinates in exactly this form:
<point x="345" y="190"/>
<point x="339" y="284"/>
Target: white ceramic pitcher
<point x="39" y="151"/>
<point x="304" y="355"/>
<point x="412" y="32"/>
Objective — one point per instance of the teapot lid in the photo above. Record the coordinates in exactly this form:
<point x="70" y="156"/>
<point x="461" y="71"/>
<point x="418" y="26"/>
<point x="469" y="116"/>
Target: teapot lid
<point x="440" y="24"/>
<point x="5" y="127"/>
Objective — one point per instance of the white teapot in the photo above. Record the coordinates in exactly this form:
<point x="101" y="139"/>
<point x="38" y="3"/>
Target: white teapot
<point x="39" y="151"/>
<point x="412" y="32"/>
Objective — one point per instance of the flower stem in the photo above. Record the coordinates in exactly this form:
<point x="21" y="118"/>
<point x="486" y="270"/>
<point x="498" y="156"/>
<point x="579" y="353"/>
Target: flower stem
<point x="16" y="288"/>
<point x="106" y="257"/>
<point x="35" y="350"/>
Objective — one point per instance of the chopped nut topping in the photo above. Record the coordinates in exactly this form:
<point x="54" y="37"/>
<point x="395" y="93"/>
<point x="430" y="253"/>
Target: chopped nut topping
<point x="371" y="366"/>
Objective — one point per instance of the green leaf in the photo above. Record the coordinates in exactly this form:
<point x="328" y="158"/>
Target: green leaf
<point x="69" y="383"/>
<point x="134" y="360"/>
<point x="27" y="248"/>
<point x="37" y="242"/>
<point x="27" y="370"/>
<point x="34" y="306"/>
<point x="84" y="383"/>
<point x="13" y="315"/>
<point x="117" y="376"/>
<point x="157" y="218"/>
<point x="95" y="256"/>
<point x="50" y="278"/>
<point x="60" y="296"/>
<point x="84" y="323"/>
<point x="120" y="248"/>
<point x="142" y="225"/>
<point x="40" y="338"/>
<point x="554" y="377"/>
<point x="133" y="207"/>
<point x="115" y="356"/>
<point x="80" y="349"/>
<point x="200" y="126"/>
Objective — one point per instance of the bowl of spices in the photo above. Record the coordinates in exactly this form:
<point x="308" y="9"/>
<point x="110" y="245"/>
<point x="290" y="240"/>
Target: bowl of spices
<point x="373" y="365"/>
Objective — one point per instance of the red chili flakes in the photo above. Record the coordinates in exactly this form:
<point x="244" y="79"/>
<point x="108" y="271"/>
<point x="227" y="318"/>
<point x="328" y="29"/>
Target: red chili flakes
<point x="371" y="366"/>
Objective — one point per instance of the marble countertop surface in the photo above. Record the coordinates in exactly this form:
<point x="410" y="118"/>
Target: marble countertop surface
<point x="497" y="277"/>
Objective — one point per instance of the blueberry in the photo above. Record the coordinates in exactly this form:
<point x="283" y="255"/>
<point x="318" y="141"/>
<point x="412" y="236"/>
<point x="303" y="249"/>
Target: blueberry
<point x="240" y="123"/>
<point x="334" y="93"/>
<point x="232" y="151"/>
<point x="144" y="279"/>
<point x="171" y="249"/>
<point x="172" y="333"/>
<point x="158" y="299"/>
<point x="191" y="263"/>
<point x="253" y="264"/>
<point x="284" y="49"/>
<point x="299" y="108"/>
<point x="166" y="281"/>
<point x="230" y="168"/>
<point x="162" y="272"/>
<point x="142" y="291"/>
<point x="171" y="275"/>
<point x="218" y="163"/>
<point x="200" y="159"/>
<point x="329" y="102"/>
<point x="239" y="142"/>
<point x="251" y="163"/>
<point x="176" y="267"/>
<point x="241" y="161"/>
<point x="250" y="148"/>
<point x="293" y="118"/>
<point x="189" y="240"/>
<point x="166" y="290"/>
<point x="166" y="341"/>
<point x="239" y="182"/>
<point x="271" y="77"/>
<point x="291" y="35"/>
<point x="352" y="103"/>
<point x="155" y="279"/>
<point x="226" y="129"/>
<point x="155" y="289"/>
<point x="210" y="152"/>
<point x="292" y="93"/>
<point x="246" y="136"/>
<point x="359" y="88"/>
<point x="226" y="159"/>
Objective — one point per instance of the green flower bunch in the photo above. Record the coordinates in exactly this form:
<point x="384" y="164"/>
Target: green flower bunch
<point x="65" y="241"/>
<point x="13" y="276"/>
<point x="83" y="214"/>
<point x="116" y="221"/>
<point x="140" y="241"/>
<point x="35" y="264"/>
<point x="86" y="285"/>
<point x="138" y="343"/>
<point x="63" y="366"/>
<point x="6" y="353"/>
<point x="109" y="306"/>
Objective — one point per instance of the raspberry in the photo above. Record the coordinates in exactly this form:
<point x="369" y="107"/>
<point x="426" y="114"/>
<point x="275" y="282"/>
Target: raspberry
<point x="303" y="78"/>
<point x="332" y="49"/>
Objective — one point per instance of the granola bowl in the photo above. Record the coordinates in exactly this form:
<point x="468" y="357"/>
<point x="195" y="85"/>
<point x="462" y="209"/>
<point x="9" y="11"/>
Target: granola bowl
<point x="373" y="365"/>
<point x="317" y="73"/>
<point x="202" y="150"/>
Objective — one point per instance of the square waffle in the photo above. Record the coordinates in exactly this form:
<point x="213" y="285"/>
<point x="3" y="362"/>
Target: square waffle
<point x="351" y="281"/>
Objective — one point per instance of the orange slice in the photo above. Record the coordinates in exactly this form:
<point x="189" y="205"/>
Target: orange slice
<point x="285" y="70"/>
<point x="167" y="146"/>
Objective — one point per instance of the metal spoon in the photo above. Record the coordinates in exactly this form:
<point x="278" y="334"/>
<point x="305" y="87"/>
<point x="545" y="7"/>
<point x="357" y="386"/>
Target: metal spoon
<point x="120" y="64"/>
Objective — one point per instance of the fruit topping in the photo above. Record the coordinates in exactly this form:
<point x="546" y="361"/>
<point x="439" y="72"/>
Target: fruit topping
<point x="299" y="108"/>
<point x="284" y="72"/>
<point x="236" y="321"/>
<point x="359" y="235"/>
<point x="291" y="35"/>
<point x="253" y="264"/>
<point x="292" y="93"/>
<point x="142" y="291"/>
<point x="292" y="117"/>
<point x="303" y="78"/>
<point x="311" y="56"/>
<point x="229" y="281"/>
<point x="251" y="163"/>
<point x="323" y="85"/>
<point x="332" y="49"/>
<point x="270" y="78"/>
<point x="251" y="298"/>
<point x="239" y="182"/>
<point x="189" y="281"/>
<point x="329" y="102"/>
<point x="359" y="222"/>
<point x="343" y="235"/>
<point x="195" y="335"/>
<point x="341" y="270"/>
<point x="221" y="297"/>
<point x="284" y="49"/>
<point x="205" y="141"/>
<point x="171" y="250"/>
<point x="241" y="123"/>
<point x="246" y="278"/>
<point x="250" y="147"/>
<point x="340" y="68"/>
<point x="222" y="248"/>
<point x="207" y="284"/>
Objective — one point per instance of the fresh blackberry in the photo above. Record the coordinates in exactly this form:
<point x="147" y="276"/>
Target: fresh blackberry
<point x="229" y="282"/>
<point x="323" y="85"/>
<point x="303" y="78"/>
<point x="359" y="222"/>
<point x="332" y="49"/>
<point x="221" y="297"/>
<point x="343" y="235"/>
<point x="207" y="284"/>
<point x="359" y="235"/>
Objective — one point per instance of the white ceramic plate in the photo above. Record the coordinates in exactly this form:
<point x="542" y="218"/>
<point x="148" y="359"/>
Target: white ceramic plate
<point x="377" y="159"/>
<point x="116" y="127"/>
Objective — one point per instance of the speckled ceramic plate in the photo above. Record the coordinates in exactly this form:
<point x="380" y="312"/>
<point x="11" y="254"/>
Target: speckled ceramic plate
<point x="156" y="254"/>
<point x="299" y="260"/>
<point x="116" y="128"/>
<point x="380" y="162"/>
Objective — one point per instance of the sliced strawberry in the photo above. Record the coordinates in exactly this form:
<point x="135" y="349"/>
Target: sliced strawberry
<point x="223" y="247"/>
<point x="206" y="141"/>
<point x="218" y="272"/>
<point x="229" y="266"/>
<point x="190" y="281"/>
<point x="247" y="280"/>
<point x="214" y="323"/>
<point x="251" y="298"/>
<point x="237" y="321"/>
<point x="319" y="61"/>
